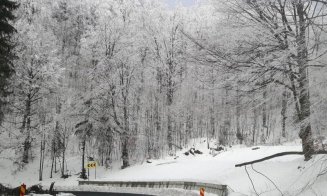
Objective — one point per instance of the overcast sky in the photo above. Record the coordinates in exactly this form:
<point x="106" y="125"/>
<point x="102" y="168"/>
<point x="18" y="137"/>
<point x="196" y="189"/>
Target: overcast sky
<point x="173" y="3"/>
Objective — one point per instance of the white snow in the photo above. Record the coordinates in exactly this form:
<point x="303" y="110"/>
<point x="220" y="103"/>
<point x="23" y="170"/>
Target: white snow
<point x="291" y="174"/>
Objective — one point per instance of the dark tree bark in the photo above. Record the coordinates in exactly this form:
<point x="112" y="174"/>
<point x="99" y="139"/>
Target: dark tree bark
<point x="305" y="132"/>
<point x="169" y="117"/>
<point x="189" y="127"/>
<point x="27" y="127"/>
<point x="283" y="113"/>
<point x="227" y="117"/>
<point x="42" y="151"/>
<point x="125" y="139"/>
<point x="212" y="117"/>
<point x="157" y="119"/>
<point x="239" y="135"/>
<point x="125" y="156"/>
<point x="63" y="153"/>
<point x="265" y="131"/>
<point x="83" y="173"/>
<point x="255" y="116"/>
<point x="125" y="134"/>
<point x="169" y="133"/>
<point x="53" y="153"/>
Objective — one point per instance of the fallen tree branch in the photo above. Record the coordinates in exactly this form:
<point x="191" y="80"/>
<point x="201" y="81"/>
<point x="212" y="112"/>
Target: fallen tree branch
<point x="277" y="155"/>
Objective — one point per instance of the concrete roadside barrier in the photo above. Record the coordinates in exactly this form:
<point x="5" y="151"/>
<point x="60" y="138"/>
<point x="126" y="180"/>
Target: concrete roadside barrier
<point x="219" y="190"/>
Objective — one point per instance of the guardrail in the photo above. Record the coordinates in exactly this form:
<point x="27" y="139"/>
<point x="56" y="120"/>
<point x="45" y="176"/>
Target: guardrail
<point x="219" y="190"/>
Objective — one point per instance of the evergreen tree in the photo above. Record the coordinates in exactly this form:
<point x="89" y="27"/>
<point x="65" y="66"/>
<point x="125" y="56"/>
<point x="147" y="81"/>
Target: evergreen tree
<point x="6" y="46"/>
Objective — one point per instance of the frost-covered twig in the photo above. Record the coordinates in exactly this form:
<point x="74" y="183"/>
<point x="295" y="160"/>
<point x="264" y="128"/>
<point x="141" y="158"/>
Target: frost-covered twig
<point x="251" y="180"/>
<point x="268" y="179"/>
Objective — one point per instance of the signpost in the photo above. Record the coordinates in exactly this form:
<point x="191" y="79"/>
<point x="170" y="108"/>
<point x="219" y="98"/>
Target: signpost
<point x="90" y="165"/>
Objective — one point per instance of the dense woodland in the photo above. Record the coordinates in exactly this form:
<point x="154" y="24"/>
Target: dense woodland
<point x="122" y="80"/>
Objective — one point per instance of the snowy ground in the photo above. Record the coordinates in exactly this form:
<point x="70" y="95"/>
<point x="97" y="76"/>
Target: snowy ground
<point x="290" y="174"/>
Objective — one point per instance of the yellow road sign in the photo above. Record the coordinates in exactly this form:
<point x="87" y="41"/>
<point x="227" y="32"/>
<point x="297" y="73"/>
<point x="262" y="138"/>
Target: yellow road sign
<point x="91" y="164"/>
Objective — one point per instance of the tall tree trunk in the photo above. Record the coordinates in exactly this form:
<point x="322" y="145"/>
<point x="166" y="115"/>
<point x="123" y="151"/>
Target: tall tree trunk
<point x="255" y="116"/>
<point x="212" y="105"/>
<point x="169" y="133"/>
<point x="239" y="135"/>
<point x="305" y="132"/>
<point x="63" y="154"/>
<point x="227" y="116"/>
<point x="125" y="157"/>
<point x="56" y="133"/>
<point x="42" y="149"/>
<point x="27" y="126"/>
<point x="189" y="127"/>
<point x="265" y="132"/>
<point x="83" y="173"/>
<point x="283" y="113"/>
<point x="53" y="148"/>
<point x="157" y="121"/>
<point x="169" y="117"/>
<point x="125" y="135"/>
<point x="149" y="133"/>
<point x="212" y="117"/>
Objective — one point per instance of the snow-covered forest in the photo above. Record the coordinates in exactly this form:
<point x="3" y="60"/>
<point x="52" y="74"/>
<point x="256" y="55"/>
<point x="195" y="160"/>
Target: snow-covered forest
<point x="126" y="81"/>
